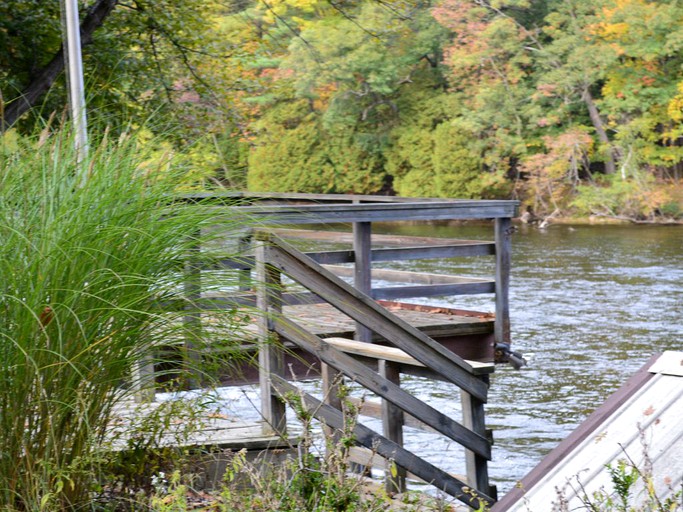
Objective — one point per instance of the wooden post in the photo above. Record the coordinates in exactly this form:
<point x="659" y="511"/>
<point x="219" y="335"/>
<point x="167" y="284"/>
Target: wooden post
<point x="271" y="357"/>
<point x="476" y="465"/>
<point x="192" y="319"/>
<point x="332" y="379"/>
<point x="392" y="429"/>
<point x="362" y="248"/>
<point x="243" y="245"/>
<point x="331" y="382"/>
<point x="143" y="380"/>
<point x="503" y="262"/>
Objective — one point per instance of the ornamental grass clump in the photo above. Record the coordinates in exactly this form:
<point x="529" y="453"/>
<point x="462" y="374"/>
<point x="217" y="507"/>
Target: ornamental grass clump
<point x="91" y="256"/>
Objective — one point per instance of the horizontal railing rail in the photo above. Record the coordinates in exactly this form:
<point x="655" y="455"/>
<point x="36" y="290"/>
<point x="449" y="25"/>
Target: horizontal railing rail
<point x="393" y="254"/>
<point x="392" y="240"/>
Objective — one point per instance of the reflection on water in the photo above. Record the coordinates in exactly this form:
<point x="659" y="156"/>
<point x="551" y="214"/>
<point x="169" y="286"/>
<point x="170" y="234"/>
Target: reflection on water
<point x="589" y="306"/>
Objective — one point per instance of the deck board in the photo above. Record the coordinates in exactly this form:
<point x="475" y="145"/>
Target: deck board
<point x="208" y="429"/>
<point x="325" y="320"/>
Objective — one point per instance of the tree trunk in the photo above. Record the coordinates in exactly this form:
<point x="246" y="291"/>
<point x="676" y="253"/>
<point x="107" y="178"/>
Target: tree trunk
<point x="610" y="164"/>
<point x="44" y="79"/>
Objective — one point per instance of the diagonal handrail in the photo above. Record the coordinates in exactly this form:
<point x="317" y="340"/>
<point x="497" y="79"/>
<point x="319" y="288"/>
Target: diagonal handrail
<point x="382" y="386"/>
<point x="389" y="449"/>
<point x="367" y="312"/>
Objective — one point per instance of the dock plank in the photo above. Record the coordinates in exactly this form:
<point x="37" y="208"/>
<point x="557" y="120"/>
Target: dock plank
<point x="203" y="428"/>
<point x="326" y="320"/>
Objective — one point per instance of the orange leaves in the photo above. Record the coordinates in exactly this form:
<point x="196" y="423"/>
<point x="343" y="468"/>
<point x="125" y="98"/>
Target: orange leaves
<point x="547" y="90"/>
<point x="648" y="81"/>
<point x="551" y="173"/>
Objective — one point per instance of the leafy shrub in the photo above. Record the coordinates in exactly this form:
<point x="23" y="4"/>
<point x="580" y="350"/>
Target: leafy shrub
<point x="294" y="152"/>
<point x="638" y="198"/>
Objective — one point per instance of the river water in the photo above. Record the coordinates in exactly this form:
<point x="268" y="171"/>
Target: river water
<point x="589" y="306"/>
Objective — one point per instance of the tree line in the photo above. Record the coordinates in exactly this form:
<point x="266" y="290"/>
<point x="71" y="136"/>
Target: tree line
<point x="571" y="106"/>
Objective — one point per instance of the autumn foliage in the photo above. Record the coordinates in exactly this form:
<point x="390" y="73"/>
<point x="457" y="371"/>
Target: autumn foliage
<point x="559" y="104"/>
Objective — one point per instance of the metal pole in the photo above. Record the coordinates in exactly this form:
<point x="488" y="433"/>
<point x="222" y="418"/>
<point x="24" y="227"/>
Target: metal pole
<point x="74" y="65"/>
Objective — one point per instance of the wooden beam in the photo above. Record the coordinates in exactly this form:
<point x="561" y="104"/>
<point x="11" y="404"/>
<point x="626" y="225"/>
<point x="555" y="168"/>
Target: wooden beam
<point x="432" y="290"/>
<point x="385" y="240"/>
<point x="336" y="208"/>
<point x="391" y="254"/>
<point x="392" y="428"/>
<point x="363" y="309"/>
<point x="142" y="375"/>
<point x="409" y="253"/>
<point x="390" y="450"/>
<point x="473" y="417"/>
<point x="243" y="245"/>
<point x="270" y="354"/>
<point x="192" y="320"/>
<point x="407" y="276"/>
<point x="503" y="230"/>
<point x="269" y="197"/>
<point x="362" y="279"/>
<point x="381" y="386"/>
<point x="228" y="301"/>
<point x="332" y="380"/>
<point x="393" y="354"/>
<point x="367" y="212"/>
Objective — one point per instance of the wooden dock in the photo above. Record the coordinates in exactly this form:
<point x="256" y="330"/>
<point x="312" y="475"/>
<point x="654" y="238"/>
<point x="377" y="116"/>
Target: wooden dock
<point x="467" y="333"/>
<point x="437" y="322"/>
<point x="362" y="333"/>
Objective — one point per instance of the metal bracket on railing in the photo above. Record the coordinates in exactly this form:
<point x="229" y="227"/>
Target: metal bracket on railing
<point x="504" y="354"/>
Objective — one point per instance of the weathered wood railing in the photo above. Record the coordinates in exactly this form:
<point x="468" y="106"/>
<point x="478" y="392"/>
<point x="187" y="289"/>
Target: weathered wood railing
<point x="275" y="257"/>
<point x="361" y="212"/>
<point x="377" y="369"/>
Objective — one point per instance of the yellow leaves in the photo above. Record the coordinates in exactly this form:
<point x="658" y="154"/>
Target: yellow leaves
<point x="324" y="95"/>
<point x="9" y="141"/>
<point x="614" y="86"/>
<point x="304" y="5"/>
<point x="622" y="6"/>
<point x="675" y="107"/>
<point x="610" y="31"/>
<point x="276" y="9"/>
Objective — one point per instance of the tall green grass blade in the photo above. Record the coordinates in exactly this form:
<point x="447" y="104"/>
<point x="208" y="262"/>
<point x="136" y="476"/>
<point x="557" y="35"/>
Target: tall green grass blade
<point x="83" y="272"/>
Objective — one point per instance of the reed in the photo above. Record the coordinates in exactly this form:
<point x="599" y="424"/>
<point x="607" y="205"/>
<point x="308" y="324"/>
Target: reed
<point x="85" y="265"/>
